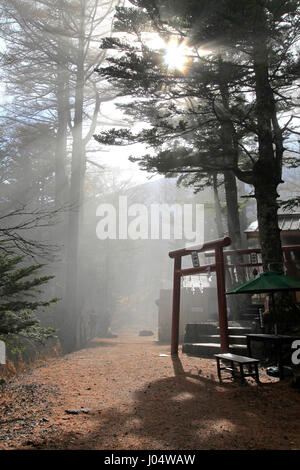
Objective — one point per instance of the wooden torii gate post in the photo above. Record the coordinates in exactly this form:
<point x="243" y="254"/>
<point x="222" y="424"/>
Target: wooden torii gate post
<point x="218" y="267"/>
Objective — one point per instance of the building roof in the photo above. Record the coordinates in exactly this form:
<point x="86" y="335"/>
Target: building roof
<point x="288" y="222"/>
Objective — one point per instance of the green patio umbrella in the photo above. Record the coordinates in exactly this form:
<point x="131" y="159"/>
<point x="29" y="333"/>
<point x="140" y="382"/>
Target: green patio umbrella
<point x="268" y="282"/>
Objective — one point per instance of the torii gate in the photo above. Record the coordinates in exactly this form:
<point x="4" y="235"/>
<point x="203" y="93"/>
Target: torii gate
<point x="219" y="268"/>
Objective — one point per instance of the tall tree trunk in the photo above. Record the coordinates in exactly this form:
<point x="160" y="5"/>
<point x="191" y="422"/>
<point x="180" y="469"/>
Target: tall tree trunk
<point x="233" y="218"/>
<point x="61" y="184"/>
<point x="267" y="170"/>
<point x="269" y="232"/>
<point x="230" y="151"/>
<point x="76" y="189"/>
<point x="237" y="275"/>
<point x="267" y="174"/>
<point x="218" y="209"/>
<point x="62" y="97"/>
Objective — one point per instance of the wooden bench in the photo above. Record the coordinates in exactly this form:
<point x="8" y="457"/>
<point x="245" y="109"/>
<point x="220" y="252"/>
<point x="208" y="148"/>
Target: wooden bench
<point x="241" y="361"/>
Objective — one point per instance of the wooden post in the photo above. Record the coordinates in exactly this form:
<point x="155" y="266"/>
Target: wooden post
<point x="176" y="306"/>
<point x="290" y="266"/>
<point x="223" y="324"/>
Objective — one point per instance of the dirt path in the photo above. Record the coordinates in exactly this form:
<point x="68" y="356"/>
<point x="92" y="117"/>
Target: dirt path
<point x="125" y="395"/>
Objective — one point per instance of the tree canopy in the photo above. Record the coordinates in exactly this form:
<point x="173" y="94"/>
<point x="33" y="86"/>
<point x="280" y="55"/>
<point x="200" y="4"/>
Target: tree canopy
<point x="232" y="108"/>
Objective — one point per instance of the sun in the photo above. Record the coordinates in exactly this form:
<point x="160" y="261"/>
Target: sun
<point x="176" y="55"/>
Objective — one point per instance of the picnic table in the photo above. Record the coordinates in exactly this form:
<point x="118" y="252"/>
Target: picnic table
<point x="277" y="341"/>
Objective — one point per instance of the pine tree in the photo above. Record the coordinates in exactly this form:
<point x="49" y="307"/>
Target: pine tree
<point x="21" y="300"/>
<point x="247" y="82"/>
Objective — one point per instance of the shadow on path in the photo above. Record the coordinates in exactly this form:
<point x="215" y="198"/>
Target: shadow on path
<point x="188" y="411"/>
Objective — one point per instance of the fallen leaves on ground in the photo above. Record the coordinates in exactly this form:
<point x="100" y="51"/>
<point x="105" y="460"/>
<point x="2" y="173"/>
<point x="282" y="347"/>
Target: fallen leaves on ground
<point x="129" y="393"/>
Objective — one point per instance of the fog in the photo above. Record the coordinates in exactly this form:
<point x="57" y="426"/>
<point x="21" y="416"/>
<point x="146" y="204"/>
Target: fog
<point x="58" y="182"/>
<point x="55" y="175"/>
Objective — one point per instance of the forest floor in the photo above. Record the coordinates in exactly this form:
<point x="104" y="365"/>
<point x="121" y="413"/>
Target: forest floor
<point x="128" y="393"/>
